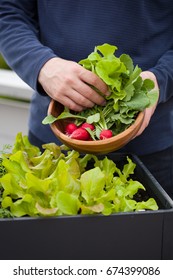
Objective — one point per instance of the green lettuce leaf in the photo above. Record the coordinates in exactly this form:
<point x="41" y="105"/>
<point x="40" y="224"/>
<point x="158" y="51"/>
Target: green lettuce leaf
<point x="92" y="184"/>
<point x="67" y="203"/>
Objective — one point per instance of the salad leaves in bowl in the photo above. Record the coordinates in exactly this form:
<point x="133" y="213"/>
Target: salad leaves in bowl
<point x="103" y="129"/>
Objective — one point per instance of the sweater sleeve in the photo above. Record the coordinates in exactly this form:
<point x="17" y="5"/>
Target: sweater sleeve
<point x="163" y="71"/>
<point x="19" y="39"/>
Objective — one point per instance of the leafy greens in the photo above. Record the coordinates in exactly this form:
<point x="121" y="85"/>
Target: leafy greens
<point x="129" y="93"/>
<point x="54" y="183"/>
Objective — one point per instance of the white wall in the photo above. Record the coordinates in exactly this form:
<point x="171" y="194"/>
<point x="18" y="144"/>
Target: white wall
<point x="15" y="98"/>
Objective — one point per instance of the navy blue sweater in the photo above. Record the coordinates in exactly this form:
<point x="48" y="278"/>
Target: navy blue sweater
<point x="32" y="32"/>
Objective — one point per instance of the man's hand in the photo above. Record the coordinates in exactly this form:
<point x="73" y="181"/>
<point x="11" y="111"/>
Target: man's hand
<point x="148" y="111"/>
<point x="70" y="84"/>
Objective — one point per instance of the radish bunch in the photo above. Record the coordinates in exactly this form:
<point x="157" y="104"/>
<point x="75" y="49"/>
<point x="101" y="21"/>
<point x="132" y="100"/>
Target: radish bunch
<point x="129" y="94"/>
<point x="86" y="132"/>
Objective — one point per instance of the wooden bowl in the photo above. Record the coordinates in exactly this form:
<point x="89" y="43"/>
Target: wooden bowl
<point x="93" y="147"/>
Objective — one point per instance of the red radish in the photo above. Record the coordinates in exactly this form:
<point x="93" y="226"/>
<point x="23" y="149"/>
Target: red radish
<point x="70" y="128"/>
<point x="105" y="133"/>
<point x="88" y="125"/>
<point x="80" y="134"/>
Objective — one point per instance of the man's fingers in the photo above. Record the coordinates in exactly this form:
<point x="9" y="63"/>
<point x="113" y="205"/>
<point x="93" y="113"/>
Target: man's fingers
<point x="92" y="79"/>
<point x="72" y="105"/>
<point x="87" y="92"/>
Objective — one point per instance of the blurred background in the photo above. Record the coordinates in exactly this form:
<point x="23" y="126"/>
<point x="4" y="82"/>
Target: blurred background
<point x="15" y="96"/>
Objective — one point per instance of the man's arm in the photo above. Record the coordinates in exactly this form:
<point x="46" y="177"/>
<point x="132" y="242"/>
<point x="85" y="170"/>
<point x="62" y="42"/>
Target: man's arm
<point x="19" y="43"/>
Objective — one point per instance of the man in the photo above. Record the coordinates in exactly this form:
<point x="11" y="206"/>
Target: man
<point x="43" y="41"/>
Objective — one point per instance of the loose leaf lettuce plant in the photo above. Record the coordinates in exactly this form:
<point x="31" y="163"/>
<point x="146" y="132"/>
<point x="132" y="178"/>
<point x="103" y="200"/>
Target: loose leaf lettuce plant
<point x="54" y="183"/>
<point x="129" y="93"/>
<point x="4" y="213"/>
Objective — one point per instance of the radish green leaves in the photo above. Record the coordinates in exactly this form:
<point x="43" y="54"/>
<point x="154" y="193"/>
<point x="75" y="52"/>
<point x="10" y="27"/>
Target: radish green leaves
<point x="129" y="94"/>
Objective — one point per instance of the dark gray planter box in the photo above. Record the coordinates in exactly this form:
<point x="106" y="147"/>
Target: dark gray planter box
<point x="137" y="235"/>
